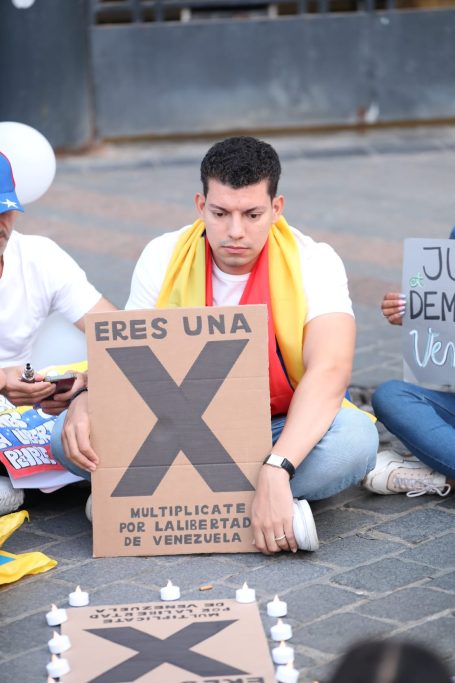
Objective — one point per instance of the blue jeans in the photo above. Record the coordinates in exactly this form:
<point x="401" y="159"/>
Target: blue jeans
<point x="423" y="419"/>
<point x="342" y="457"/>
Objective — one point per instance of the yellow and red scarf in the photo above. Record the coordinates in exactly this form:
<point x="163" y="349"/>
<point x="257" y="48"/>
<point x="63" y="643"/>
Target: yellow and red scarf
<point x="275" y="280"/>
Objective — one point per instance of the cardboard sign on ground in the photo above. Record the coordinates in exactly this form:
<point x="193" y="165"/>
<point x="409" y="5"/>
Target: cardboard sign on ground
<point x="428" y="325"/>
<point x="192" y="641"/>
<point x="180" y="419"/>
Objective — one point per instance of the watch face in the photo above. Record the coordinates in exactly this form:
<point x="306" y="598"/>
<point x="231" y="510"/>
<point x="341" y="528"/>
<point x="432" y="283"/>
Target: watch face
<point x="275" y="460"/>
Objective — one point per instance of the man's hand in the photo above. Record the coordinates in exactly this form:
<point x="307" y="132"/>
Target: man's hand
<point x="24" y="394"/>
<point x="76" y="435"/>
<point x="393" y="307"/>
<point x="272" y="512"/>
<point x="60" y="402"/>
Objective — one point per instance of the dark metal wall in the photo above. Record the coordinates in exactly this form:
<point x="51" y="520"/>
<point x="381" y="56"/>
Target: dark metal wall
<point x="312" y="70"/>
<point x="45" y="69"/>
<point x="221" y="75"/>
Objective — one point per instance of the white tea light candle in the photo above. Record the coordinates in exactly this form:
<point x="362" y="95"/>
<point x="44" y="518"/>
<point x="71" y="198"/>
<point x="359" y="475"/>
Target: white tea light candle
<point x="78" y="598"/>
<point x="281" y="631"/>
<point x="58" y="644"/>
<point x="170" y="592"/>
<point x="287" y="674"/>
<point x="58" y="666"/>
<point x="245" y="594"/>
<point x="56" y="616"/>
<point x="277" y="607"/>
<point x="283" y="653"/>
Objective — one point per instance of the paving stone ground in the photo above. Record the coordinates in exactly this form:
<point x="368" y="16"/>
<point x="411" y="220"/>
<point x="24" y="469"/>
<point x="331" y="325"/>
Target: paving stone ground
<point x="386" y="565"/>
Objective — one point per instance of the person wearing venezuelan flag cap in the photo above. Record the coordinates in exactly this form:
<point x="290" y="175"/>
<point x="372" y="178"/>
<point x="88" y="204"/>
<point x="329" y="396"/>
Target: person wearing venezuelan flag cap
<point x="241" y="250"/>
<point x="37" y="278"/>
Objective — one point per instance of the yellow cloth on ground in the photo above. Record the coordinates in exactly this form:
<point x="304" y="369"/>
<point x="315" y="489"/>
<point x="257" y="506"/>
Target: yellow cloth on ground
<point x="184" y="286"/>
<point x="14" y="567"/>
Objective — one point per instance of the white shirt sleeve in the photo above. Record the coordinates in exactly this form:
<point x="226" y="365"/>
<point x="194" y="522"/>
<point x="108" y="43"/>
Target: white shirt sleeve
<point x="71" y="294"/>
<point x="59" y="284"/>
<point x="324" y="278"/>
<point x="149" y="272"/>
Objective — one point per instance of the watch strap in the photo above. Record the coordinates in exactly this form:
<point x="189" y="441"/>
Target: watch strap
<point x="278" y="461"/>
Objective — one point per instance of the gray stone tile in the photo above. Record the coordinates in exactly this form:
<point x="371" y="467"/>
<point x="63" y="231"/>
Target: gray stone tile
<point x="218" y="592"/>
<point x="68" y="523"/>
<point x="449" y="502"/>
<point x="447" y="582"/>
<point x="382" y="576"/>
<point x="170" y="560"/>
<point x="29" y="669"/>
<point x="437" y="553"/>
<point x="333" y="523"/>
<point x="409" y="604"/>
<point x="311" y="602"/>
<point x="352" y="493"/>
<point x="195" y="571"/>
<point x="25" y="598"/>
<point x="76" y="548"/>
<point x="353" y="550"/>
<point x="105" y="570"/>
<point x="322" y="672"/>
<point x="418" y="526"/>
<point x="23" y="541"/>
<point x="281" y="574"/>
<point x="390" y="505"/>
<point x="438" y="634"/>
<point x="336" y="633"/>
<point x="247" y="560"/>
<point x="23" y="634"/>
<point x="301" y="661"/>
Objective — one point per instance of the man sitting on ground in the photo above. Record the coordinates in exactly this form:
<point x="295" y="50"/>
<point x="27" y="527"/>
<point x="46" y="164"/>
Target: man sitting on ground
<point x="242" y="251"/>
<point x="37" y="278"/>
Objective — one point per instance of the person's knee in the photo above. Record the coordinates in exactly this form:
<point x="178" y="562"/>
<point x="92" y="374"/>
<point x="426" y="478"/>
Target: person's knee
<point x="361" y="442"/>
<point x="386" y="396"/>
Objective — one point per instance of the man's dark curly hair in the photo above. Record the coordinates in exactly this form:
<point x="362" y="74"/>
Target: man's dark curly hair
<point x="241" y="161"/>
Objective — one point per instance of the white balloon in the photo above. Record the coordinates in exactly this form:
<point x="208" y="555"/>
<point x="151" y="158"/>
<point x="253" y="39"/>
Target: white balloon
<point x="32" y="159"/>
<point x="23" y="4"/>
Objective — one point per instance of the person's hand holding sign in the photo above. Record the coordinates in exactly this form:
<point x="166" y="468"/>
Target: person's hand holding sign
<point x="393" y="307"/>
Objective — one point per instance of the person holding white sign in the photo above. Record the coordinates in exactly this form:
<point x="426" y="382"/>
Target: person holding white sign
<point x="36" y="278"/>
<point x="241" y="250"/>
<point x="424" y="420"/>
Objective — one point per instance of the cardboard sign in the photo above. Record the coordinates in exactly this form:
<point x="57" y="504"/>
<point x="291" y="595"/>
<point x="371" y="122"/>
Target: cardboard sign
<point x="428" y="326"/>
<point x="185" y="642"/>
<point x="180" y="415"/>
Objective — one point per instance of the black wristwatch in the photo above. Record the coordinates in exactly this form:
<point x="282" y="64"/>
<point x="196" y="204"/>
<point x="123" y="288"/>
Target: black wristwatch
<point x="277" y="461"/>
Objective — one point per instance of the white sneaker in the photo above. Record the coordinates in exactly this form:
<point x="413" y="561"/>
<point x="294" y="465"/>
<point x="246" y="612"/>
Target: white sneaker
<point x="88" y="508"/>
<point x="395" y="474"/>
<point x="10" y="498"/>
<point x="304" y="527"/>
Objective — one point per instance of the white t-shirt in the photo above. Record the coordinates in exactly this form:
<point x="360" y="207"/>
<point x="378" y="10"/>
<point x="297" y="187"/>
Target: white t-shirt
<point x="38" y="279"/>
<point x="323" y="277"/>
